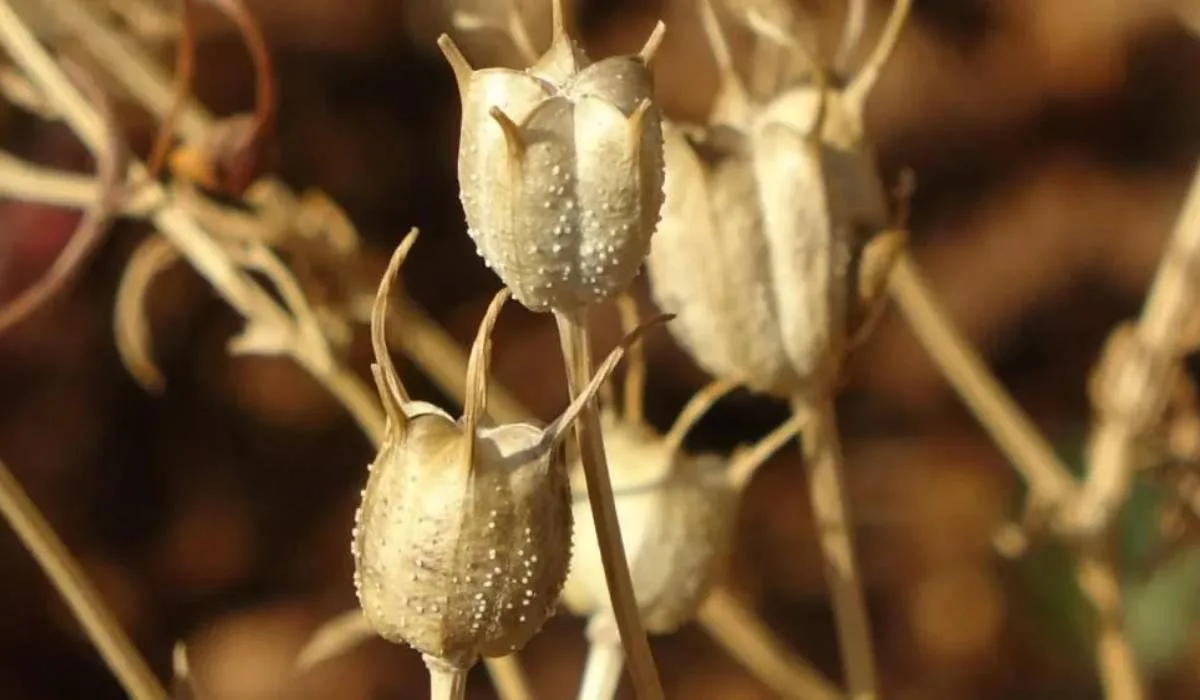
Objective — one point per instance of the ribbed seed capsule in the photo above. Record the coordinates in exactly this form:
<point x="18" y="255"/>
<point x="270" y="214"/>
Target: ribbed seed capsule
<point x="463" y="535"/>
<point x="768" y="237"/>
<point x="561" y="170"/>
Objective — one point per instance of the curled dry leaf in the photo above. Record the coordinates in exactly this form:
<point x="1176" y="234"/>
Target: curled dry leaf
<point x="96" y="221"/>
<point x="782" y="201"/>
<point x="463" y="535"/>
<point x="133" y="339"/>
<point x="560" y="169"/>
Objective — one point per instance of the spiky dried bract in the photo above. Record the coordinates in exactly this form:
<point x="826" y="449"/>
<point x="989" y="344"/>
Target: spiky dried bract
<point x="561" y="171"/>
<point x="775" y="200"/>
<point x="677" y="514"/>
<point x="463" y="536"/>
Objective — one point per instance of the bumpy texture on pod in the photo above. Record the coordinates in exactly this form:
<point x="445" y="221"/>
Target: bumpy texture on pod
<point x="766" y="216"/>
<point x="677" y="516"/>
<point x="561" y="170"/>
<point x="462" y="539"/>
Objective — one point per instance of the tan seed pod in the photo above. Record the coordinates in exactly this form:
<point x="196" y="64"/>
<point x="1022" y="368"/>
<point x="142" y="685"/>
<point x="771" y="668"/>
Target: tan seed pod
<point x="677" y="510"/>
<point x="463" y="535"/>
<point x="779" y="201"/>
<point x="561" y="169"/>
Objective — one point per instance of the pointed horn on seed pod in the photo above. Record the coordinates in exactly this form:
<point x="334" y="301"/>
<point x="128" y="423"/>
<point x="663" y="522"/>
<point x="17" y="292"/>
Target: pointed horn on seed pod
<point x="860" y="87"/>
<point x="653" y="43"/>
<point x="512" y="133"/>
<point x="719" y="46"/>
<point x="744" y="462"/>
<point x="458" y="63"/>
<point x="635" y="366"/>
<point x="694" y="410"/>
<point x="387" y="381"/>
<point x="556" y="431"/>
<point x="477" y="373"/>
<point x="558" y="20"/>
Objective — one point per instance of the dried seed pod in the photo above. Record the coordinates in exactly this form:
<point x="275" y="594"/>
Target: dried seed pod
<point x="770" y="219"/>
<point x="561" y="169"/>
<point x="463" y="536"/>
<point x="677" y="511"/>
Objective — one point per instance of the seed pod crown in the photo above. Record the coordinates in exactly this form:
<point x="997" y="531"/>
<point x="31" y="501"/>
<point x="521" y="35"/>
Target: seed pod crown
<point x="561" y="169"/>
<point x="463" y="536"/>
<point x="780" y="201"/>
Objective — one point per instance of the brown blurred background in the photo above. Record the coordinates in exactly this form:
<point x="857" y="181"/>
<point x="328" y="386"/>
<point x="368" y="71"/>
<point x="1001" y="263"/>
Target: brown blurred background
<point x="1052" y="140"/>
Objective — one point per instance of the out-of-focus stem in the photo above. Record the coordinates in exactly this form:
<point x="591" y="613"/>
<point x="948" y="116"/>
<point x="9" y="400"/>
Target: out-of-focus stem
<point x="741" y="633"/>
<point x="1015" y="434"/>
<point x="830" y="503"/>
<point x="602" y="670"/>
<point x="1115" y="660"/>
<point x="85" y="603"/>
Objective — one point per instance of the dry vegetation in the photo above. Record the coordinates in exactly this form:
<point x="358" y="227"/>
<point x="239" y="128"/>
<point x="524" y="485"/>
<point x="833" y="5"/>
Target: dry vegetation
<point x="195" y="223"/>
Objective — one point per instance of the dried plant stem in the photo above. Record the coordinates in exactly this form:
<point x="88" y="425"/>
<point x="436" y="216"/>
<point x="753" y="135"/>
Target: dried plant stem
<point x="750" y="641"/>
<point x="446" y="682"/>
<point x="602" y="669"/>
<point x="32" y="183"/>
<point x="573" y="332"/>
<point x="1137" y="385"/>
<point x="1014" y="433"/>
<point x="1115" y="660"/>
<point x="830" y="503"/>
<point x="100" y="624"/>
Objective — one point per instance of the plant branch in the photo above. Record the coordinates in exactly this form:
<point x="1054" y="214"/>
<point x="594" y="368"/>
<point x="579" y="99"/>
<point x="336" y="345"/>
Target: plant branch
<point x="1115" y="659"/>
<point x="831" y="508"/>
<point x="1134" y="380"/>
<point x="576" y="351"/>
<point x="85" y="603"/>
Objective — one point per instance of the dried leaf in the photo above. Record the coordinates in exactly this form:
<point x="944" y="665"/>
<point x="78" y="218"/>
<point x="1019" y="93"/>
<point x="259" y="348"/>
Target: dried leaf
<point x="150" y="259"/>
